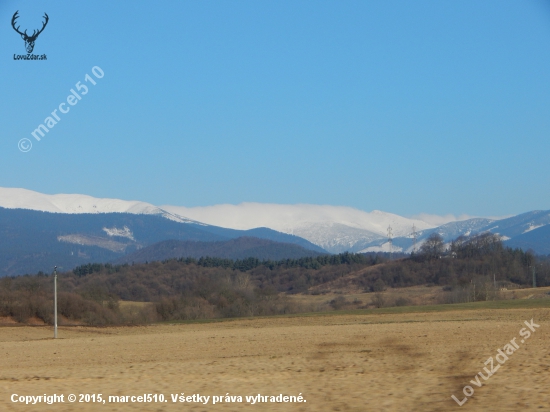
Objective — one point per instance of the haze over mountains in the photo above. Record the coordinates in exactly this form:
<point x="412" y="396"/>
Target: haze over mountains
<point x="37" y="229"/>
<point x="334" y="228"/>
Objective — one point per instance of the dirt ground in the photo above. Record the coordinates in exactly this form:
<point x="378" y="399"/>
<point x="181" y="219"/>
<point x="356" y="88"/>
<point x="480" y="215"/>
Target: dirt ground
<point x="383" y="362"/>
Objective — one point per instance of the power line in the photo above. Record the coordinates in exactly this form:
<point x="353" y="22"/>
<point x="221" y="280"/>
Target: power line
<point x="390" y="240"/>
<point x="414" y="239"/>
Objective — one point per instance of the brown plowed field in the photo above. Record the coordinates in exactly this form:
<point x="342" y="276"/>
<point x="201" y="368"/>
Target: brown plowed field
<point x="374" y="362"/>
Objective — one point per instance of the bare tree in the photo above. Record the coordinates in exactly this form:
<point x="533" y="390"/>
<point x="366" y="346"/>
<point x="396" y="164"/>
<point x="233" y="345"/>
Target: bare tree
<point x="433" y="247"/>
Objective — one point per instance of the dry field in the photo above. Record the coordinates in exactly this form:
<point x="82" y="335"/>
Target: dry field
<point x="417" y="295"/>
<point x="348" y="362"/>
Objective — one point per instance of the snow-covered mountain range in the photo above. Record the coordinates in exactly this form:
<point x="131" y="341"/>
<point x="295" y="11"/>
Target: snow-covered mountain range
<point x="12" y="198"/>
<point x="333" y="228"/>
<point x="529" y="230"/>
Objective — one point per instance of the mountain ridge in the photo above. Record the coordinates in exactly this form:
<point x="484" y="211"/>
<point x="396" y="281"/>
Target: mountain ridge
<point x="335" y="229"/>
<point x="32" y="241"/>
<point x="16" y="198"/>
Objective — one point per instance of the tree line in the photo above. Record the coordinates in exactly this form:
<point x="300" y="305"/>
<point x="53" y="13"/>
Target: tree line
<point x="244" y="265"/>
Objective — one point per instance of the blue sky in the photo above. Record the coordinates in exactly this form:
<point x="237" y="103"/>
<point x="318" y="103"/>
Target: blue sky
<point x="403" y="106"/>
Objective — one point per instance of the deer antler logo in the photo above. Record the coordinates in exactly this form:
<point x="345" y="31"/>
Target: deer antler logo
<point x="29" y="40"/>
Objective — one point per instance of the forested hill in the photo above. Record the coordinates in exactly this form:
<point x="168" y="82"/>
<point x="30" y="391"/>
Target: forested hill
<point x="470" y="259"/>
<point x="240" y="248"/>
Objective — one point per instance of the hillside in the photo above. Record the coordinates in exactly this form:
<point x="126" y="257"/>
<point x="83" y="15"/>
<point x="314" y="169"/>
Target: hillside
<point x="240" y="248"/>
<point x="32" y="241"/>
<point x="537" y="240"/>
<point x="211" y="287"/>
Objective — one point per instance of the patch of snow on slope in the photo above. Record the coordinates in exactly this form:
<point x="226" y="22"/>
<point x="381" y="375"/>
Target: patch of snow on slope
<point x="385" y="247"/>
<point x="532" y="227"/>
<point x="124" y="232"/>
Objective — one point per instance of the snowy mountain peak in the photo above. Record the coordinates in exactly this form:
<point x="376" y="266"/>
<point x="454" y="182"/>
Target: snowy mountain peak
<point x="334" y="228"/>
<point x="288" y="218"/>
<point x="12" y="198"/>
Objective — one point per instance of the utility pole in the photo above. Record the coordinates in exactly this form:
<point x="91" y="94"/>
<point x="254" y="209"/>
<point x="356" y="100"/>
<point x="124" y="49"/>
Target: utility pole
<point x="534" y="277"/>
<point x="55" y="302"/>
